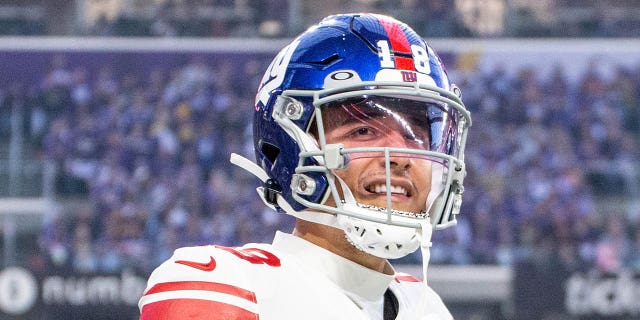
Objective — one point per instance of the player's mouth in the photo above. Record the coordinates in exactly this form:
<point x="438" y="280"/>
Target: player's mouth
<point x="381" y="188"/>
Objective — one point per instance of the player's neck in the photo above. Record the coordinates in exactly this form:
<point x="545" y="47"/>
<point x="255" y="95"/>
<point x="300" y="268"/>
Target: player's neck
<point x="335" y="241"/>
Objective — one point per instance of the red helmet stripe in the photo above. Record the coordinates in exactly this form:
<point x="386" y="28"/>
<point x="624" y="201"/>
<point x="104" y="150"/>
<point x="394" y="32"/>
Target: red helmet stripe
<point x="399" y="43"/>
<point x="404" y="63"/>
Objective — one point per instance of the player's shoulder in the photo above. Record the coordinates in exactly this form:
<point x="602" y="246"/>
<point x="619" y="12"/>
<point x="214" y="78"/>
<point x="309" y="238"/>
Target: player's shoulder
<point x="411" y="285"/>
<point x="414" y="294"/>
<point x="215" y="257"/>
<point x="254" y="253"/>
<point x="408" y="287"/>
<point x="199" y="279"/>
<point x="216" y="264"/>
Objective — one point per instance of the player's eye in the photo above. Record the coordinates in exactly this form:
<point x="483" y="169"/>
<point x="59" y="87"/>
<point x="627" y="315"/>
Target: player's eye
<point x="362" y="133"/>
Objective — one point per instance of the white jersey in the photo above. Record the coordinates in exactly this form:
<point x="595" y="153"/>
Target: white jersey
<point x="289" y="279"/>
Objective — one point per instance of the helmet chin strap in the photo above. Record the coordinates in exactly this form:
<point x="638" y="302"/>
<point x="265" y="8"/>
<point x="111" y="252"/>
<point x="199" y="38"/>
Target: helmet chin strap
<point x="425" y="233"/>
<point x="328" y="219"/>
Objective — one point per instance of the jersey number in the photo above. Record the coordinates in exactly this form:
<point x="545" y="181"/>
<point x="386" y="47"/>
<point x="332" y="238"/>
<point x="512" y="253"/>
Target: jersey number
<point x="254" y="255"/>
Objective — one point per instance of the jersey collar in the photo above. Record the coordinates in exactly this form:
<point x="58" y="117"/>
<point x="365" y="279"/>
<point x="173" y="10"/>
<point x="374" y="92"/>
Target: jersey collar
<point x="351" y="277"/>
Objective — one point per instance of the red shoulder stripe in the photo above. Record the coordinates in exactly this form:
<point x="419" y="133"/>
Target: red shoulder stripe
<point x="193" y="309"/>
<point x="205" y="286"/>
<point x="406" y="277"/>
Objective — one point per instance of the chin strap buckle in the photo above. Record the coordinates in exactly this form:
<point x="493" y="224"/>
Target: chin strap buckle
<point x="271" y="191"/>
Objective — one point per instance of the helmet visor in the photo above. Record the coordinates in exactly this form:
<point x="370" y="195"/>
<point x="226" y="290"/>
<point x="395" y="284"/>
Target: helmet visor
<point x="396" y="122"/>
<point x="412" y="137"/>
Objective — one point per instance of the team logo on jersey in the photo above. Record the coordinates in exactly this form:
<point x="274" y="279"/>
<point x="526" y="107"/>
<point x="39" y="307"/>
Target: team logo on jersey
<point x="204" y="266"/>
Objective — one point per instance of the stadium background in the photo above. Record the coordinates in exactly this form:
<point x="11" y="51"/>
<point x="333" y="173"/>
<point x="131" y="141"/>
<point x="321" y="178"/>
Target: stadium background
<point x="117" y="118"/>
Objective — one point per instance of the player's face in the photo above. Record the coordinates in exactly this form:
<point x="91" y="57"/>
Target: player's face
<point x="373" y="124"/>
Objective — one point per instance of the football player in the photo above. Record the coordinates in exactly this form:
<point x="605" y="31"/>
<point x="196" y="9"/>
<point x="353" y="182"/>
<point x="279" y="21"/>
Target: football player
<point x="360" y="135"/>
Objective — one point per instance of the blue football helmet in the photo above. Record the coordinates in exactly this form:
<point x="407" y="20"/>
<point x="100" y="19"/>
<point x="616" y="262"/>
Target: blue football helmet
<point x="375" y="69"/>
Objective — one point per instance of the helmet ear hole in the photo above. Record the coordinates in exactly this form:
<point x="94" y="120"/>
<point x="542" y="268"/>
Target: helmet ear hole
<point x="270" y="151"/>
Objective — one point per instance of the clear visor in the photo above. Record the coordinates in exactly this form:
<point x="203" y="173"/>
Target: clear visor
<point x="393" y="122"/>
<point x="413" y="140"/>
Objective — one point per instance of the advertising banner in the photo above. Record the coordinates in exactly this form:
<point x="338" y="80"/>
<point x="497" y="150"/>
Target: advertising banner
<point x="552" y="292"/>
<point x="26" y="295"/>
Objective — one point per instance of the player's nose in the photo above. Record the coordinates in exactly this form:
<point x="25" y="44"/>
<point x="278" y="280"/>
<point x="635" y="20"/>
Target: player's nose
<point x="400" y="162"/>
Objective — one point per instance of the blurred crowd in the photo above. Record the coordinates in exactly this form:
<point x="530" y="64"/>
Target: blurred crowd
<point x="286" y="18"/>
<point x="542" y="152"/>
<point x="150" y="153"/>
